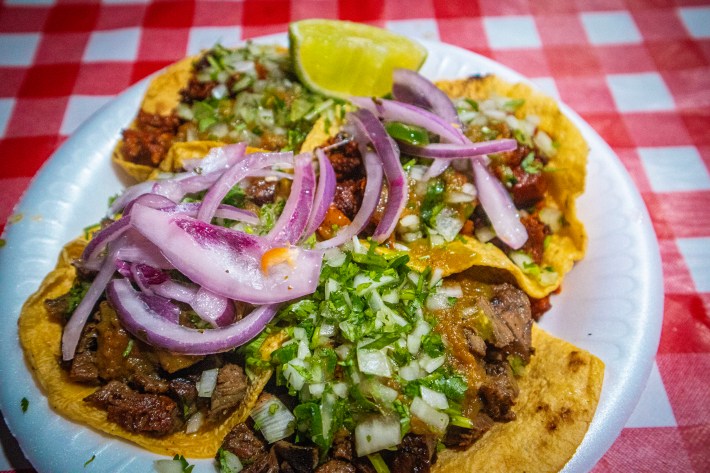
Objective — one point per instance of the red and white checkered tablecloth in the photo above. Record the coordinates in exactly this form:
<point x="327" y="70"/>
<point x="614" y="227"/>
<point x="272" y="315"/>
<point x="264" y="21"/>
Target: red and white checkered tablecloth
<point x="637" y="70"/>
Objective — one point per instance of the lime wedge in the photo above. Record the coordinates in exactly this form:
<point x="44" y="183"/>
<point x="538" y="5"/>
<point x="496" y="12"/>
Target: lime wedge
<point x="341" y="58"/>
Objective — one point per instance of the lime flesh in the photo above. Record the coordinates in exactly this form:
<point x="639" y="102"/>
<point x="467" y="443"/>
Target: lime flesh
<point x="341" y="58"/>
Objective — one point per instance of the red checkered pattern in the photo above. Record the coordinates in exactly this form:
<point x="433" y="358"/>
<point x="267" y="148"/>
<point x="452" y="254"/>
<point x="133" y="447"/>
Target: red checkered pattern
<point x="594" y="52"/>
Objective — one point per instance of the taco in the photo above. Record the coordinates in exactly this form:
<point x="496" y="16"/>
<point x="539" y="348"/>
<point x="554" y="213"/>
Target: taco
<point x="220" y="96"/>
<point x="354" y="320"/>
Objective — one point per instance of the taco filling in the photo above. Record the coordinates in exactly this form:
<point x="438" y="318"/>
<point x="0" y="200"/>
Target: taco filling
<point x="360" y="307"/>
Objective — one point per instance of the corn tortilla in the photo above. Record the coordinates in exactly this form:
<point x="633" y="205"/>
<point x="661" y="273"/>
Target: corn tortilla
<point x="40" y="337"/>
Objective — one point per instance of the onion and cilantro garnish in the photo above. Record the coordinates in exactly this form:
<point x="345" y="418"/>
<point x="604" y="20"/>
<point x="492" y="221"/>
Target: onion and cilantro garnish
<point x="363" y="353"/>
<point x="249" y="94"/>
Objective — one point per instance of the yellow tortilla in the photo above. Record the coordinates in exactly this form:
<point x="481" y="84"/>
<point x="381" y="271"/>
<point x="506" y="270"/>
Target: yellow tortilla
<point x="41" y="340"/>
<point x="559" y="393"/>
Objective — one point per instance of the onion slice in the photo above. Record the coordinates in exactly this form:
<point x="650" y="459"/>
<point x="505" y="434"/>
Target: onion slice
<point x="91" y="256"/>
<point x="228" y="262"/>
<point x="294" y="217"/>
<point x="413" y="88"/>
<point x="324" y="193"/>
<point x="73" y="328"/>
<point x="214" y="309"/>
<point x="217" y="159"/>
<point x="391" y="111"/>
<point x="457" y="151"/>
<point x="499" y="207"/>
<point x="144" y="322"/>
<point x="397" y="190"/>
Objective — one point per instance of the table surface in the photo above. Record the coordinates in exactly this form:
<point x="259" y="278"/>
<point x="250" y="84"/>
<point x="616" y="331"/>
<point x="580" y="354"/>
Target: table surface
<point x="638" y="71"/>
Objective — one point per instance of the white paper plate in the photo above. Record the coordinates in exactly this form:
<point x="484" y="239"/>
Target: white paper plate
<point x="611" y="304"/>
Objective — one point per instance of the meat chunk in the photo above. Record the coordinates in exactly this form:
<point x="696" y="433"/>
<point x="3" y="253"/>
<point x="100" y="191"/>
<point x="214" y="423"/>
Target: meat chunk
<point x="342" y="448"/>
<point x="346" y="159"/>
<point x="535" y="244"/>
<point x="416" y="454"/>
<point x="148" y="141"/>
<point x="154" y="414"/>
<point x="460" y="437"/>
<point x="509" y="313"/>
<point x="261" y="191"/>
<point x="263" y="463"/>
<point x="336" y="466"/>
<point x="229" y="391"/>
<point x="499" y="391"/>
<point x="300" y="459"/>
<point x="186" y="392"/>
<point x="83" y="367"/>
<point x="476" y="344"/>
<point x="348" y="196"/>
<point x="244" y="443"/>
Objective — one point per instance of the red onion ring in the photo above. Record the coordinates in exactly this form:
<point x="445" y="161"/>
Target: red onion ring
<point x="413" y="88"/>
<point x="214" y="309"/>
<point x="397" y="190"/>
<point x="235" y="174"/>
<point x="324" y="193"/>
<point x="73" y="328"/>
<point x="146" y="323"/>
<point x="294" y="217"/>
<point x="226" y="261"/>
<point x="499" y="207"/>
<point x="91" y="256"/>
<point x="447" y="151"/>
<point x="217" y="159"/>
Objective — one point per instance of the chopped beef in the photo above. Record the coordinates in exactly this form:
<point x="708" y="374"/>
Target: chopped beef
<point x="345" y="159"/>
<point x="511" y="314"/>
<point x="140" y="413"/>
<point x="185" y="391"/>
<point x="336" y="466"/>
<point x="263" y="463"/>
<point x="529" y="189"/>
<point x="244" y="443"/>
<point x="476" y="344"/>
<point x="83" y="367"/>
<point x="342" y="446"/>
<point x="460" y="437"/>
<point x="416" y="454"/>
<point x="261" y="191"/>
<point x="499" y="391"/>
<point x="148" y="141"/>
<point x="229" y="391"/>
<point x="58" y="309"/>
<point x="348" y="196"/>
<point x="114" y="359"/>
<point x="301" y="459"/>
<point x="197" y="91"/>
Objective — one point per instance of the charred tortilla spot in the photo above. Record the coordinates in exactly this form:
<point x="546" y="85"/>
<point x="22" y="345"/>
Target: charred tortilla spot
<point x="576" y="361"/>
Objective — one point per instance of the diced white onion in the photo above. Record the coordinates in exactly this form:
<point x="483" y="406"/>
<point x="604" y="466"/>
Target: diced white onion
<point x="341" y="389"/>
<point x="303" y="351"/>
<point x="391" y="297"/>
<point x="543" y="141"/>
<point x="230" y="462"/>
<point x="273" y="418"/>
<point x="522" y="260"/>
<point x="409" y="221"/>
<point x="207" y="382"/>
<point x="548" y="278"/>
<point x="431" y="364"/>
<point x="458" y="198"/>
<point x="448" y="224"/>
<point x="219" y="91"/>
<point x="485" y="234"/>
<point x="411" y="371"/>
<point x="435" y="239"/>
<point x="343" y="351"/>
<point x="299" y="333"/>
<point x="436" y="275"/>
<point x="316" y="389"/>
<point x="414" y="339"/>
<point x="377" y="433"/>
<point x="451" y="290"/>
<point x="334" y="257"/>
<point x="194" y="422"/>
<point x="400" y="247"/>
<point x="437" y="421"/>
<point x="327" y="330"/>
<point x="412" y="236"/>
<point x="551" y="217"/>
<point x="168" y="466"/>
<point x="373" y="362"/>
<point x="434" y="398"/>
<point x="330" y="287"/>
<point x="292" y="374"/>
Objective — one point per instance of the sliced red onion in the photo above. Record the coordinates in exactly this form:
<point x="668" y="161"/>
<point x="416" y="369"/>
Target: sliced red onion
<point x="146" y="323"/>
<point x="271" y="173"/>
<point x="389" y="110"/>
<point x="137" y="249"/>
<point x="223" y="211"/>
<point x="371" y="195"/>
<point x="214" y="309"/>
<point x="174" y="290"/>
<point x="235" y="174"/>
<point x="178" y="186"/>
<point x="217" y="159"/>
<point x="294" y="217"/>
<point x="146" y="276"/>
<point x="154" y="201"/>
<point x="385" y="147"/>
<point x="226" y="261"/>
<point x="413" y="88"/>
<point x="447" y="151"/>
<point x="130" y="194"/>
<point x="437" y="167"/>
<point x="499" y="207"/>
<point x="324" y="193"/>
<point x="91" y="256"/>
<point x="73" y="328"/>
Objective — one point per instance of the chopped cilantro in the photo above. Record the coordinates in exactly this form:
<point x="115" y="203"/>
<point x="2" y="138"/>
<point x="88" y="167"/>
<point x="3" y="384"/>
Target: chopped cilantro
<point x="269" y="214"/>
<point x="530" y="165"/>
<point x="129" y="348"/>
<point x="411" y="134"/>
<point x="24" y="404"/>
<point x="433" y="200"/>
<point x="514" y="104"/>
<point x="186" y="467"/>
<point x="86" y="463"/>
